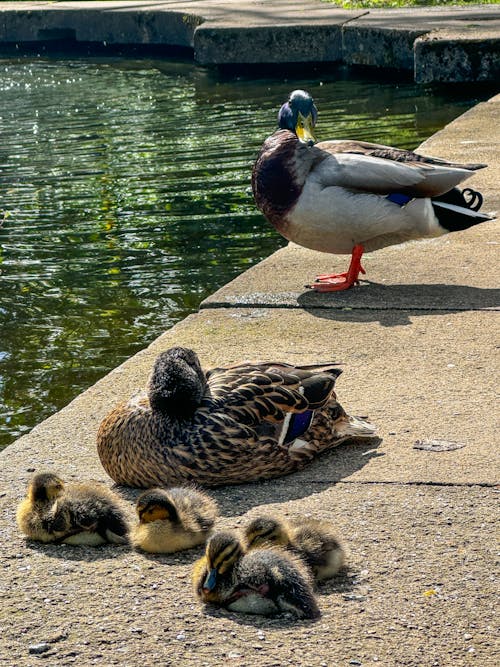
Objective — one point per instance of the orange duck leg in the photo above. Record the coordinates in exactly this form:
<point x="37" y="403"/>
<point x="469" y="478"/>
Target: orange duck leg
<point x="339" y="281"/>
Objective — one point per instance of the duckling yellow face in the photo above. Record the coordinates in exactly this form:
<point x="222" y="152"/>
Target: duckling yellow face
<point x="265" y="531"/>
<point x="155" y="505"/>
<point x="45" y="487"/>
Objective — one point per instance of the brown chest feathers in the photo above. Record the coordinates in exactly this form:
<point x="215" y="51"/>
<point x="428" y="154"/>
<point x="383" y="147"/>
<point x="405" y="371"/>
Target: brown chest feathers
<point x="278" y="176"/>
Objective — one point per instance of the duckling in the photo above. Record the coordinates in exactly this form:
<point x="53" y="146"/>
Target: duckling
<point x="348" y="197"/>
<point x="311" y="539"/>
<point x="230" y="425"/>
<point x="173" y="520"/>
<point x="263" y="581"/>
<point x="35" y="513"/>
<point x="87" y="514"/>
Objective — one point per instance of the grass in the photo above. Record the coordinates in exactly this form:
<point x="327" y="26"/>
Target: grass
<point x="365" y="4"/>
<point x="373" y="4"/>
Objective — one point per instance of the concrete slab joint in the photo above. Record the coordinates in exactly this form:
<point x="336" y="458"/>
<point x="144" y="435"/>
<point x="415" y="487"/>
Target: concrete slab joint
<point x="437" y="44"/>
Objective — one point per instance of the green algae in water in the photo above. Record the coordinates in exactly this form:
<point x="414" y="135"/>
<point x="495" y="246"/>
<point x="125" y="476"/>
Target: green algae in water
<point x="125" y="200"/>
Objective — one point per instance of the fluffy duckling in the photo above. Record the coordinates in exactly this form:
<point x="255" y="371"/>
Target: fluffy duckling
<point x="173" y="520"/>
<point x="35" y="513"/>
<point x="88" y="514"/>
<point x="263" y="581"/>
<point x="231" y="425"/>
<point x="348" y="197"/>
<point x="311" y="539"/>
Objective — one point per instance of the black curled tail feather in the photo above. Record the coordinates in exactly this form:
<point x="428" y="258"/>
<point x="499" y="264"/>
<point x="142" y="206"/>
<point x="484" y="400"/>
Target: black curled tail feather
<point x="467" y="198"/>
<point x="457" y="210"/>
<point x="474" y="198"/>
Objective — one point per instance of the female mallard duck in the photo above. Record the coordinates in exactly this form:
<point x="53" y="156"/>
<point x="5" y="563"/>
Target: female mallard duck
<point x="312" y="540"/>
<point x="352" y="196"/>
<point x="232" y="425"/>
<point x="264" y="581"/>
<point x="173" y="520"/>
<point x="87" y="514"/>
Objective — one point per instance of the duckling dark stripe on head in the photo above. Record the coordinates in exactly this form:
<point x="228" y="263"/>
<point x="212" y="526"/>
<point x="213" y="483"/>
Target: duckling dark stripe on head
<point x="227" y="556"/>
<point x="265" y="533"/>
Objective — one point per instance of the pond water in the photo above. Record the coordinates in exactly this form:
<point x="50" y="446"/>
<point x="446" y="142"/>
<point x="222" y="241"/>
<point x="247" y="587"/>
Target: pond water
<point x="125" y="200"/>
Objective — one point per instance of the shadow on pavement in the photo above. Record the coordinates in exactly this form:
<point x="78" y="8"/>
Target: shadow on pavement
<point x="394" y="305"/>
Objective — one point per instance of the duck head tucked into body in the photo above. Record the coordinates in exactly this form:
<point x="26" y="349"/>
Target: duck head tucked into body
<point x="348" y="197"/>
<point x="264" y="581"/>
<point x="244" y="422"/>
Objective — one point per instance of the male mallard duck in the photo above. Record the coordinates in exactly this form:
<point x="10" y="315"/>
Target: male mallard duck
<point x="311" y="539"/>
<point x="240" y="423"/>
<point x="173" y="520"/>
<point x="352" y="196"/>
<point x="264" y="581"/>
<point x="74" y="514"/>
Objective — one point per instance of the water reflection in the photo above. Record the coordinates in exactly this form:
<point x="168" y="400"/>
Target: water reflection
<point x="125" y="201"/>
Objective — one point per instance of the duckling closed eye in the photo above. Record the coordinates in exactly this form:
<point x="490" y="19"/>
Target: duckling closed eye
<point x="264" y="581"/>
<point x="313" y="540"/>
<point x="88" y="514"/>
<point x="173" y="519"/>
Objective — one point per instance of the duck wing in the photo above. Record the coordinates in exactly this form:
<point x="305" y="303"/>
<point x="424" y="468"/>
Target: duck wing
<point x="268" y="391"/>
<point x="359" y="165"/>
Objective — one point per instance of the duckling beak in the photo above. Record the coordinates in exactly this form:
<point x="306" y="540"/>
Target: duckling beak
<point x="304" y="128"/>
<point x="210" y="580"/>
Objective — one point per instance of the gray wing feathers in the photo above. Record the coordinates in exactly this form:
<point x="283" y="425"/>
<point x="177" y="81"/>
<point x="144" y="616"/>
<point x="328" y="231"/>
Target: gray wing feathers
<point x="378" y="175"/>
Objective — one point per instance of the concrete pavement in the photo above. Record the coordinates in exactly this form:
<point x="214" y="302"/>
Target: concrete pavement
<point x="418" y="344"/>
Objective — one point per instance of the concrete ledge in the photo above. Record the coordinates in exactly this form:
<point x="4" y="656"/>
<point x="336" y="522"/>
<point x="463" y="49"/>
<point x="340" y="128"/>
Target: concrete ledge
<point x="471" y="54"/>
<point x="95" y="25"/>
<point x="452" y="44"/>
<point x="431" y="275"/>
<point x="374" y="46"/>
<point x="418" y="590"/>
<point x="389" y="38"/>
<point x="224" y="45"/>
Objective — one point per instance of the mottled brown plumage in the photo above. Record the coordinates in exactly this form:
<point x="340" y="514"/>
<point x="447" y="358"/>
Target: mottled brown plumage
<point x="253" y="421"/>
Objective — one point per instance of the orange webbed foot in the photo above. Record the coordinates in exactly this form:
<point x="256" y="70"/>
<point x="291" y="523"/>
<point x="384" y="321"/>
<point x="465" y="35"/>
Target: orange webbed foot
<point x="336" y="282"/>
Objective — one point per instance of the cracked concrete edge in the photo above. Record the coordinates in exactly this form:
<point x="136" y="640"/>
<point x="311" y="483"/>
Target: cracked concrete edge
<point x="259" y="33"/>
